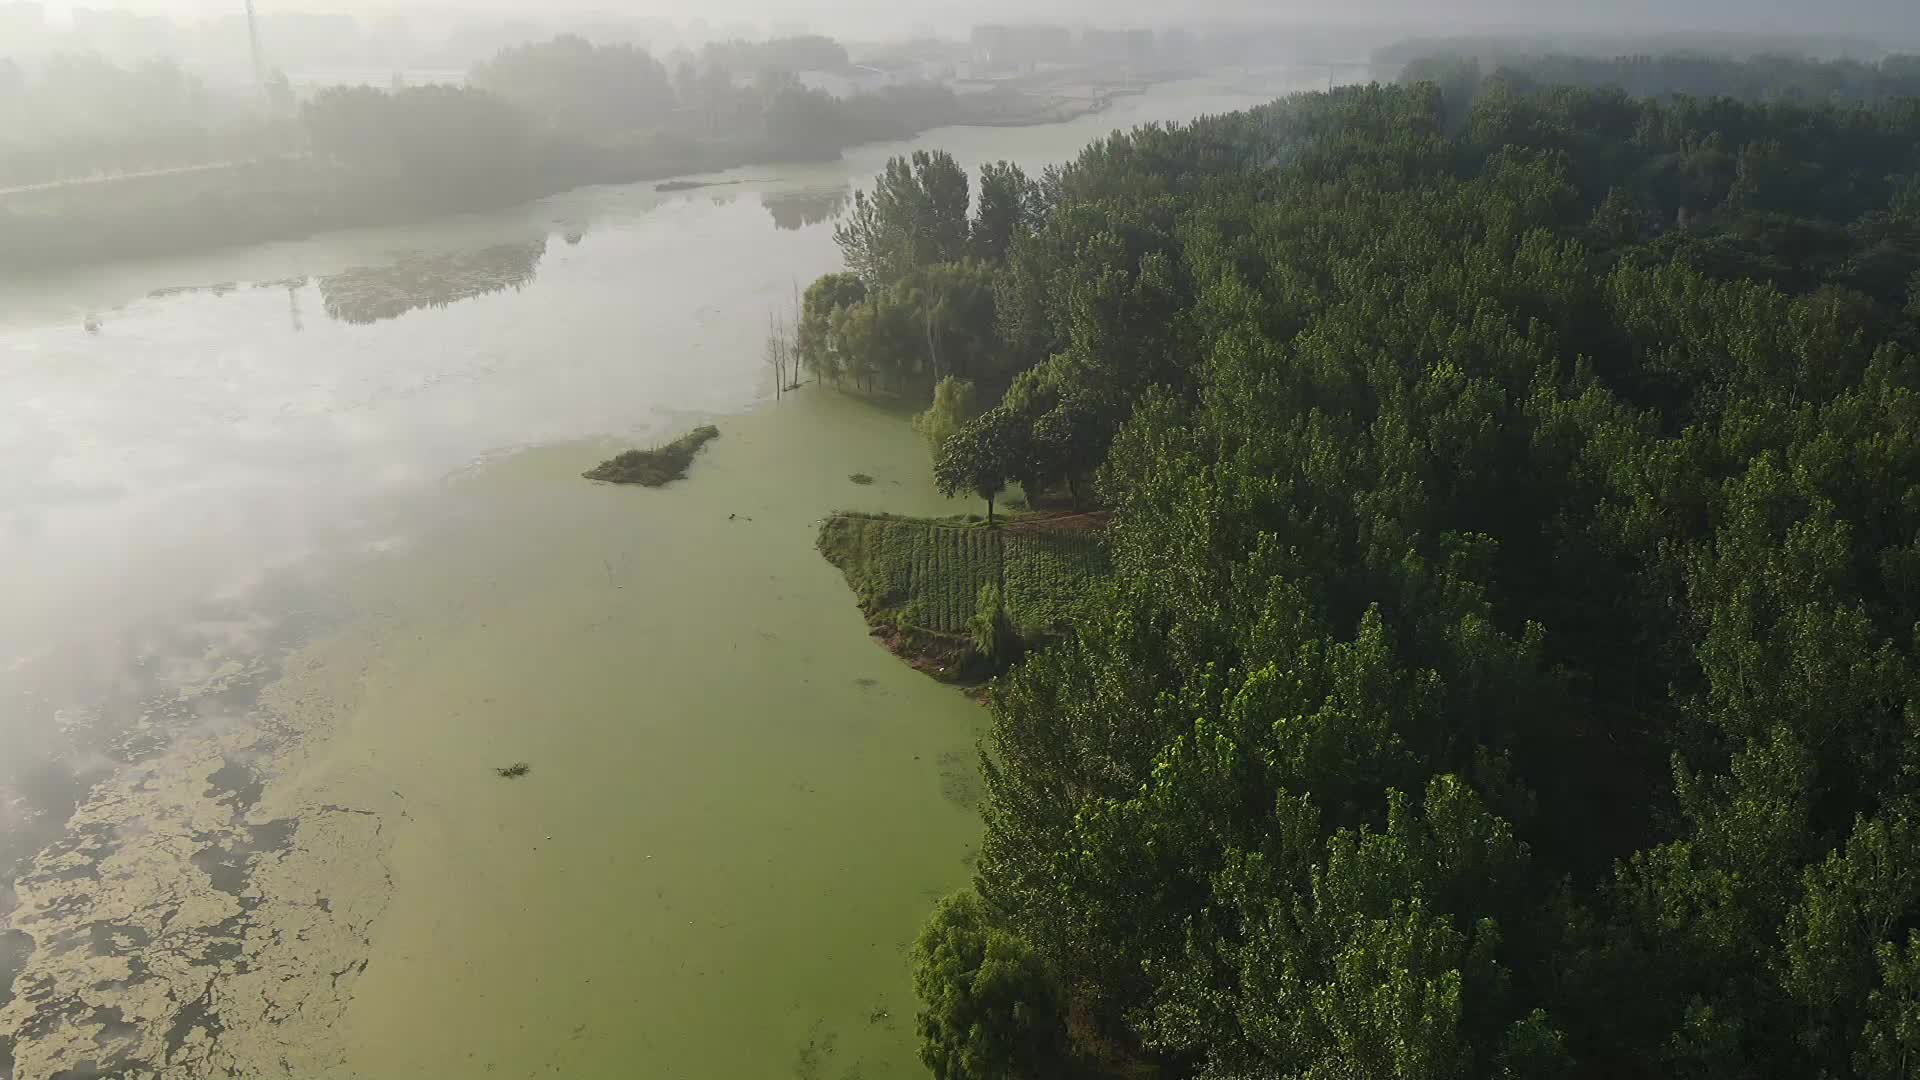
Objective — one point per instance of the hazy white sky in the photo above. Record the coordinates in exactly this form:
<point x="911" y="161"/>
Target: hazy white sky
<point x="1840" y="17"/>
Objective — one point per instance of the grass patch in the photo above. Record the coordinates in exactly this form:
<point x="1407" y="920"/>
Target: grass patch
<point x="659" y="466"/>
<point x="368" y="294"/>
<point x="919" y="580"/>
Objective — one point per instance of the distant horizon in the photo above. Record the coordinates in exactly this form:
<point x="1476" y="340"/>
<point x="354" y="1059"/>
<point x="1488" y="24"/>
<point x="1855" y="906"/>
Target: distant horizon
<point x="871" y="19"/>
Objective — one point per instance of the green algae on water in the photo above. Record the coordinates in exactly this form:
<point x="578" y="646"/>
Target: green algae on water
<point x="656" y="467"/>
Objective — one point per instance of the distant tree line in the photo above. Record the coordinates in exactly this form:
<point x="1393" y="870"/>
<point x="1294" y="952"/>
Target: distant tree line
<point x="78" y="115"/>
<point x="571" y="110"/>
<point x="1841" y="42"/>
<point x="1764" y="78"/>
<point x="535" y="118"/>
<point x="739" y="92"/>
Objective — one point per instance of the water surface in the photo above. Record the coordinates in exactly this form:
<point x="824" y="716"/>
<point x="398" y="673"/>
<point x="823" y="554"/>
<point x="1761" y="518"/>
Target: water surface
<point x="298" y="554"/>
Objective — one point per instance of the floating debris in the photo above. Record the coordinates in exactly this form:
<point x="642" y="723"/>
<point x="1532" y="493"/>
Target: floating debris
<point x="693" y="185"/>
<point x="218" y="288"/>
<point x="369" y="294"/>
<point x="861" y="478"/>
<point x="515" y="771"/>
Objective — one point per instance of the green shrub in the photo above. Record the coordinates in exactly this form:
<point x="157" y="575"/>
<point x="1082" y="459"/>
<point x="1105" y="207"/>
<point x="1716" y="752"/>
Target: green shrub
<point x="656" y="467"/>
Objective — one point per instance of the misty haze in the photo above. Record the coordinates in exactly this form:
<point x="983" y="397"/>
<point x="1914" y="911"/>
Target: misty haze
<point x="1006" y="542"/>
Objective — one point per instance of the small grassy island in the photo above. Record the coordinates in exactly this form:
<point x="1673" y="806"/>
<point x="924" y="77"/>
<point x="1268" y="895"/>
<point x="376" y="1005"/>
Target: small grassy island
<point x="657" y="467"/>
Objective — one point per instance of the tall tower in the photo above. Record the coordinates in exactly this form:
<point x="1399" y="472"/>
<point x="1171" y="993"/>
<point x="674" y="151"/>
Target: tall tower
<point x="253" y="40"/>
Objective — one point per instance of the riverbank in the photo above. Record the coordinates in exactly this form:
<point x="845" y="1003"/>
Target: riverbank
<point x="180" y="213"/>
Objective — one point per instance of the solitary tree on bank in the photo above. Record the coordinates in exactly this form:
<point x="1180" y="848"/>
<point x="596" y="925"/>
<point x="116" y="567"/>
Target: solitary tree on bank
<point x="980" y="458"/>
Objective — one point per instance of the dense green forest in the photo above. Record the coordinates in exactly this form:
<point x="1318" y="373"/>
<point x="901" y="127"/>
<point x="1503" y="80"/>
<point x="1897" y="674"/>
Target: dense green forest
<point x="1509" y="662"/>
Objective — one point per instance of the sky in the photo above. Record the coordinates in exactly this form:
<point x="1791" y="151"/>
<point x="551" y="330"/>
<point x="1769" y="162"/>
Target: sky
<point x="1852" y="18"/>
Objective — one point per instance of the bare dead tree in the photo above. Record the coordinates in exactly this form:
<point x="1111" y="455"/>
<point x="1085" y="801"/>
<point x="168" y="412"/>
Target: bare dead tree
<point x="776" y="354"/>
<point x="798" y="316"/>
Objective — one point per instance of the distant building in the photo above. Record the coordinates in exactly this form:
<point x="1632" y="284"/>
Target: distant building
<point x="1117" y="48"/>
<point x="1009" y="48"/>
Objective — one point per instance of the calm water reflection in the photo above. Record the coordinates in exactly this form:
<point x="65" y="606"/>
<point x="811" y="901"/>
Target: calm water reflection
<point x="794" y="210"/>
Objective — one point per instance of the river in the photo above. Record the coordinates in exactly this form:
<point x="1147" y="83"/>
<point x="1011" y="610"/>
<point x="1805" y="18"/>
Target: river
<point x="297" y="554"/>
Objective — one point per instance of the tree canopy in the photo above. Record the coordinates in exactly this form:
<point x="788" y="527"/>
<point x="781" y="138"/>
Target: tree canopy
<point x="576" y="85"/>
<point x="915" y="216"/>
<point x="1510" y="666"/>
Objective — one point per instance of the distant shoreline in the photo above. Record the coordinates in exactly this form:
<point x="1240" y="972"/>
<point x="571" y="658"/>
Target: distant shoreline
<point x="205" y="208"/>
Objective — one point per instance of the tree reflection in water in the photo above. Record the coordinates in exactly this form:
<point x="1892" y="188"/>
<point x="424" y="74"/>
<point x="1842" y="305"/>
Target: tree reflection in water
<point x="370" y="294"/>
<point x="794" y="210"/>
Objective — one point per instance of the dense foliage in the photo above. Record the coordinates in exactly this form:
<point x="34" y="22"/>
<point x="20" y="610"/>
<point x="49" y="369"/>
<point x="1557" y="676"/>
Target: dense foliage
<point x="739" y="92"/>
<point x="1509" y="666"/>
<point x="657" y="466"/>
<point x="1763" y="78"/>
<point x="919" y="304"/>
<point x="445" y="135"/>
<point x="573" y="84"/>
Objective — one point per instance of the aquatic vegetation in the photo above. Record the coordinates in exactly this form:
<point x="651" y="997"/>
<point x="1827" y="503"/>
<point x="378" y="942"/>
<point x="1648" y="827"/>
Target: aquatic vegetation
<point x="369" y="294"/>
<point x="514" y="771"/>
<point x="861" y="478"/>
<point x="693" y="185"/>
<point x="656" y="467"/>
<point x="220" y="288"/>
